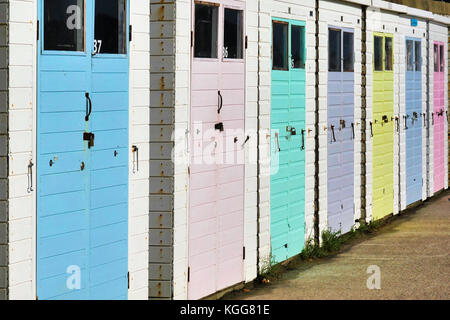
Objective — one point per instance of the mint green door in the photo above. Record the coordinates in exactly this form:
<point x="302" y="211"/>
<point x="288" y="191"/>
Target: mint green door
<point x="287" y="182"/>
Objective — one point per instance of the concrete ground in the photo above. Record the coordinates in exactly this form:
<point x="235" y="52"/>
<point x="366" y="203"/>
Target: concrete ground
<point x="412" y="252"/>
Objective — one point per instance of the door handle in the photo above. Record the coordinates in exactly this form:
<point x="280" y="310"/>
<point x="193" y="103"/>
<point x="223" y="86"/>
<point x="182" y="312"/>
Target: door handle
<point x="397" y="123"/>
<point x="371" y="129"/>
<point x="220" y="102"/>
<point x="406" y="121"/>
<point x="135" y="151"/>
<point x="30" y="177"/>
<point x="88" y="107"/>
<point x="333" y="138"/>
<point x="432" y="118"/>
<point x="353" y="131"/>
<point x="303" y="140"/>
<point x="278" y="141"/>
<point x="424" y="115"/>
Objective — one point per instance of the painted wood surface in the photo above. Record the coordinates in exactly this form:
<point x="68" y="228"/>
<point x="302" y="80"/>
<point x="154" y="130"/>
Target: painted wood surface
<point x="439" y="117"/>
<point x="413" y="120"/>
<point x="287" y="183"/>
<point x="82" y="192"/>
<point x="383" y="138"/>
<point x="340" y="159"/>
<point x="216" y="215"/>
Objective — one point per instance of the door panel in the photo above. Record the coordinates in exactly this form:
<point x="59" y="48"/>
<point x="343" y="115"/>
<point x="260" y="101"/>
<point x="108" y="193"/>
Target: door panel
<point x="340" y="131"/>
<point x="439" y="116"/>
<point x="82" y="191"/>
<point x="287" y="146"/>
<point x="383" y="129"/>
<point x="413" y="121"/>
<point x="216" y="215"/>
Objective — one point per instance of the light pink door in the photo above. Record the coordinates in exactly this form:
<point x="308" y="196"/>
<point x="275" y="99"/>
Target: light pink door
<point x="216" y="210"/>
<point x="439" y="115"/>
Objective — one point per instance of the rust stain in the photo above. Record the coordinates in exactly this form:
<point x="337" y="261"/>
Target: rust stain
<point x="161" y="13"/>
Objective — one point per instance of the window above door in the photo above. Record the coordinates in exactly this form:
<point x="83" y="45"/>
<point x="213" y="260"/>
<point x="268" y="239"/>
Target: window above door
<point x="233" y="34"/>
<point x="280" y="44"/>
<point x="206" y="29"/>
<point x="64" y="25"/>
<point x="349" y="52"/>
<point x="298" y="47"/>
<point x="110" y="35"/>
<point x="334" y="50"/>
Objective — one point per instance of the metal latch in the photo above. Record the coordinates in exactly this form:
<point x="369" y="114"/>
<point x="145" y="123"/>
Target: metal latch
<point x="291" y="130"/>
<point x="219" y="126"/>
<point x="89" y="136"/>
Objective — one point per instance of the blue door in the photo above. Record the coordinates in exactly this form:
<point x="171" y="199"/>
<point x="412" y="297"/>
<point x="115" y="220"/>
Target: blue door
<point x="412" y="120"/>
<point x="82" y="149"/>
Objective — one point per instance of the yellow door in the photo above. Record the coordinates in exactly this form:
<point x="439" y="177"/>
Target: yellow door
<point x="383" y="126"/>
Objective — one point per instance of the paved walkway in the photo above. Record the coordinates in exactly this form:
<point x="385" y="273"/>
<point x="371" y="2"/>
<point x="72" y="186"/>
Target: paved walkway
<point x="412" y="253"/>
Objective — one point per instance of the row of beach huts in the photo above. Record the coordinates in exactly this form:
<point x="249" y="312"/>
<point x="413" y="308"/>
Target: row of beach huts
<point x="171" y="149"/>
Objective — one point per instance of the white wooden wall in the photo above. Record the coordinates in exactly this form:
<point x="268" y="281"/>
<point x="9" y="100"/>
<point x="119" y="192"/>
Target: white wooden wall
<point x="138" y="211"/>
<point x="22" y="119"/>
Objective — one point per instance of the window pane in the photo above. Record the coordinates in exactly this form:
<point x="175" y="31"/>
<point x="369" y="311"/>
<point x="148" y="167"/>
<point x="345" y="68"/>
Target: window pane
<point x="378" y="54"/>
<point x="349" y="52"/>
<point x="334" y="50"/>
<point x="64" y="25"/>
<point x="297" y="47"/>
<point x="409" y="55"/>
<point x="280" y="46"/>
<point x="389" y="53"/>
<point x="110" y="26"/>
<point x="205" y="31"/>
<point x="441" y="58"/>
<point x="436" y="58"/>
<point x="418" y="55"/>
<point x="233" y="34"/>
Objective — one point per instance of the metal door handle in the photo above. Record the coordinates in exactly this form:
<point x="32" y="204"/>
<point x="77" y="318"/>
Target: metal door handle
<point x="353" y="131"/>
<point x="406" y="122"/>
<point x="278" y="141"/>
<point x="333" y="138"/>
<point x="88" y="107"/>
<point x="246" y="140"/>
<point x="30" y="177"/>
<point x="303" y="140"/>
<point x="135" y="151"/>
<point x="371" y="129"/>
<point x="220" y="102"/>
<point x="432" y="118"/>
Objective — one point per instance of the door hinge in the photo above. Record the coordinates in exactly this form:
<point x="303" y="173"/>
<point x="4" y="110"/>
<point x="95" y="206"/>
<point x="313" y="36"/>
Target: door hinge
<point x="192" y="39"/>
<point x="130" y="31"/>
<point x="128" y="279"/>
<point x="243" y="253"/>
<point x="189" y="274"/>
<point x="246" y="42"/>
<point x="37" y="30"/>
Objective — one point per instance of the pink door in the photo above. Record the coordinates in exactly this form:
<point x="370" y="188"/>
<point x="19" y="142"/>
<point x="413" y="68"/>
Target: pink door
<point x="216" y="210"/>
<point x="439" y="115"/>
